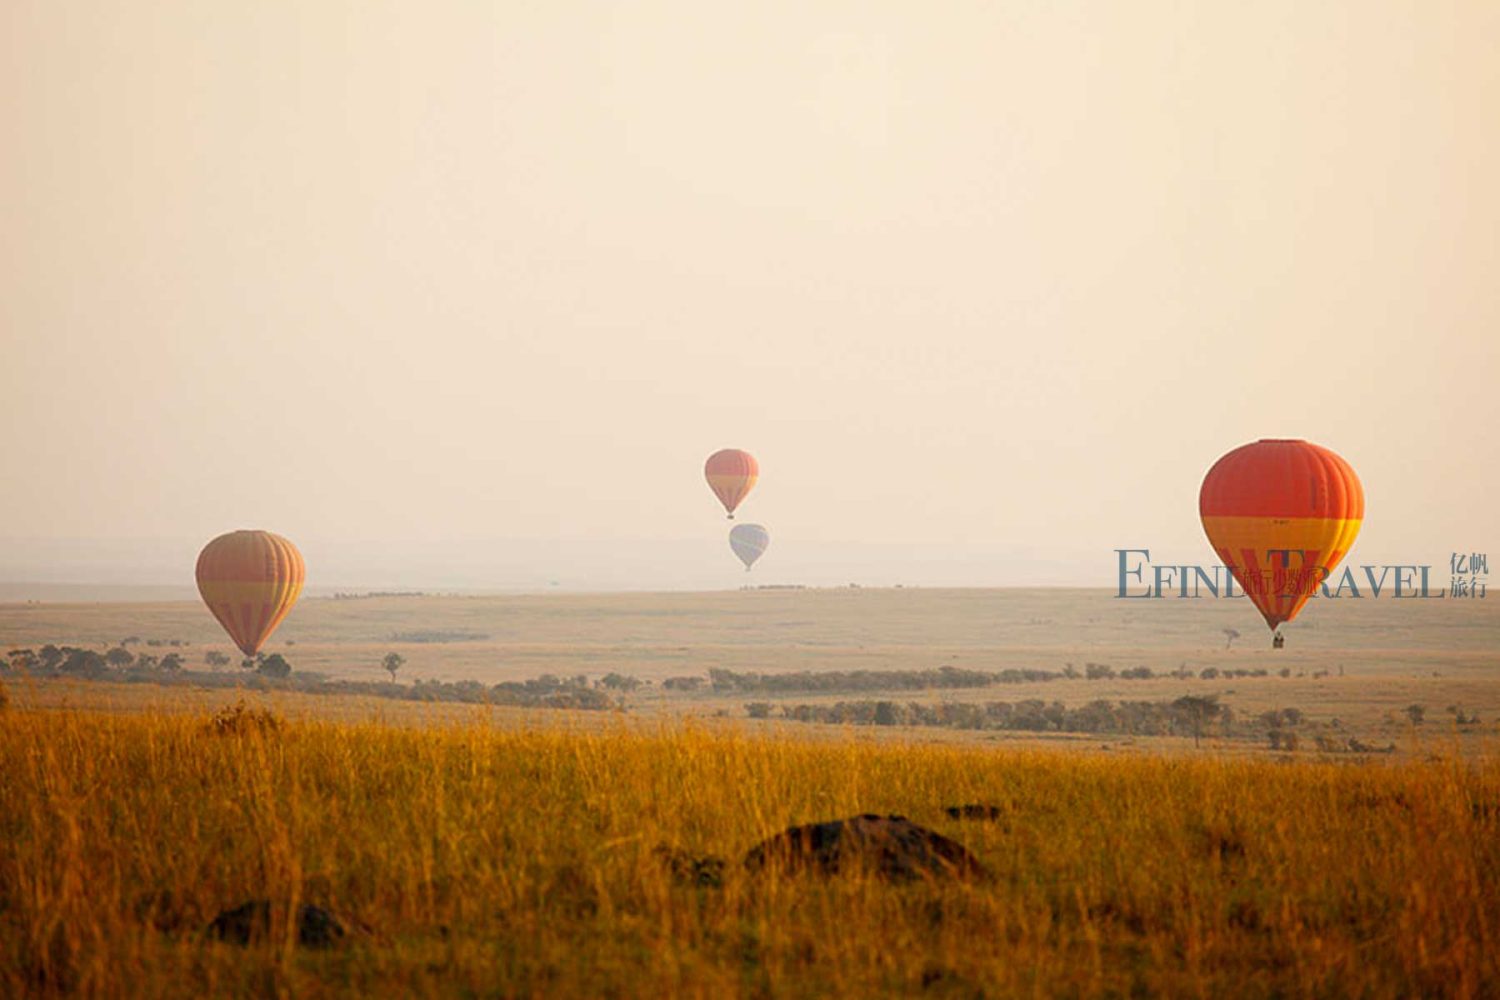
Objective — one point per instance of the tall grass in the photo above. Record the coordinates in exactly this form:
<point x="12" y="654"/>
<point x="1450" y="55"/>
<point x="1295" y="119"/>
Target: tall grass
<point x="482" y="861"/>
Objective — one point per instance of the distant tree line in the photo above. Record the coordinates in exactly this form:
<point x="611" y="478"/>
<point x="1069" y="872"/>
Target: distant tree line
<point x="1187" y="716"/>
<point x="119" y="662"/>
<point x="1285" y="729"/>
<point x="74" y="661"/>
<point x="439" y="635"/>
<point x="379" y="593"/>
<point x="732" y="682"/>
<point x="272" y="671"/>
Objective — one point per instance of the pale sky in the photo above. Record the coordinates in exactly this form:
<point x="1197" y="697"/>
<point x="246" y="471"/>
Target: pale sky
<point x="466" y="292"/>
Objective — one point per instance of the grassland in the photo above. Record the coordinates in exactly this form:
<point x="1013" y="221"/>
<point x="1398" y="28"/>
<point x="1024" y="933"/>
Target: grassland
<point x="470" y="858"/>
<point x="1362" y="663"/>
<point x="475" y="850"/>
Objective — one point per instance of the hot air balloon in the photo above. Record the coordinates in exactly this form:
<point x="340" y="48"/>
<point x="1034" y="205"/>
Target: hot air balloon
<point x="1281" y="514"/>
<point x="250" y="580"/>
<point x="730" y="474"/>
<point x="749" y="542"/>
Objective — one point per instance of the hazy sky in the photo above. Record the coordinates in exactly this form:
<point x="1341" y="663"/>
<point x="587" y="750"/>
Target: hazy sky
<point x="986" y="287"/>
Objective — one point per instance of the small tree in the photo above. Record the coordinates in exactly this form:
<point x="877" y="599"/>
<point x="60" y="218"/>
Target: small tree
<point x="119" y="657"/>
<point x="172" y="662"/>
<point x="216" y="659"/>
<point x="1229" y="636"/>
<point x="392" y="663"/>
<point x="85" y="662"/>
<point x="1198" y="711"/>
<point x="1415" y="713"/>
<point x="274" y="666"/>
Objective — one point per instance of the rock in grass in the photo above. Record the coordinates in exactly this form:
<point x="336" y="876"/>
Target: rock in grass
<point x="890" y="846"/>
<point x="316" y="927"/>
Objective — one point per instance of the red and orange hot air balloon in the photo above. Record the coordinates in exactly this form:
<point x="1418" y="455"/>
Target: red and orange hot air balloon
<point x="250" y="580"/>
<point x="1281" y="514"/>
<point x="731" y="473"/>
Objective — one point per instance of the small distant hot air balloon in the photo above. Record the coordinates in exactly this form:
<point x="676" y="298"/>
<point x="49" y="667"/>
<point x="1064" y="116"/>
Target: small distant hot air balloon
<point x="731" y="473"/>
<point x="749" y="542"/>
<point x="1281" y="515"/>
<point x="250" y="580"/>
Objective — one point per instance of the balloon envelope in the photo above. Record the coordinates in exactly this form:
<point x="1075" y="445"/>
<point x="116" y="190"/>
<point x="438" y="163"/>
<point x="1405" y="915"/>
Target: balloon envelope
<point x="749" y="542"/>
<point x="1281" y="514"/>
<point x="250" y="580"/>
<point x="731" y="473"/>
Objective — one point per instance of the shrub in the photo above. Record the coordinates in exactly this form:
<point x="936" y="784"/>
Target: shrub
<point x="240" y="719"/>
<point x="1283" y="739"/>
<point x="274" y="666"/>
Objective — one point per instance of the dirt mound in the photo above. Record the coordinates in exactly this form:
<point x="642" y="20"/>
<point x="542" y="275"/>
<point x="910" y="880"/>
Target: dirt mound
<point x="890" y="846"/>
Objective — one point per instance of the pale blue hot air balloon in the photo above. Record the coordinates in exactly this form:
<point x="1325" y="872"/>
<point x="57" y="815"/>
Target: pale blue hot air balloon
<point x="749" y="542"/>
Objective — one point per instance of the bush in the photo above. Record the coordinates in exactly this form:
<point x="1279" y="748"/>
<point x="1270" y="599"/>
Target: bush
<point x="274" y="666"/>
<point x="240" y="719"/>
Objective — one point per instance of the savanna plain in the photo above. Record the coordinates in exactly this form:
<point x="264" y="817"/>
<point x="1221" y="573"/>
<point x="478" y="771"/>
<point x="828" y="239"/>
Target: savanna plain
<point x="560" y="795"/>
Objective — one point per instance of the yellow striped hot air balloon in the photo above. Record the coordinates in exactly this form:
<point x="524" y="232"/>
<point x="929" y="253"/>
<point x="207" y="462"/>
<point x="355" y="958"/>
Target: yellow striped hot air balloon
<point x="250" y="580"/>
<point x="1281" y="514"/>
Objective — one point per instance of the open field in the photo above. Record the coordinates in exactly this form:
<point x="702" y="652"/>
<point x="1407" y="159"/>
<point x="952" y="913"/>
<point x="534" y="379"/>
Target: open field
<point x="486" y="850"/>
<point x="470" y="859"/>
<point x="1360" y="662"/>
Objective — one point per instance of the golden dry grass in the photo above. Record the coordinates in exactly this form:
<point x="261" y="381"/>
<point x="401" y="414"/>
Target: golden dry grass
<point x="477" y="860"/>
